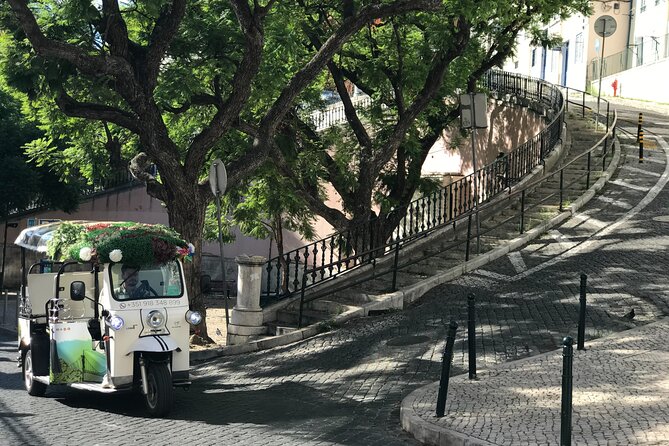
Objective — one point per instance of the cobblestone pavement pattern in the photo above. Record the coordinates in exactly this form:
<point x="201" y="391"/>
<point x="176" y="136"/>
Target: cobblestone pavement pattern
<point x="345" y="386"/>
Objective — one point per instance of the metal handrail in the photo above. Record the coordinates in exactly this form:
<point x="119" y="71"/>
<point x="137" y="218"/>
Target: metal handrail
<point x="394" y="267"/>
<point x="344" y="251"/>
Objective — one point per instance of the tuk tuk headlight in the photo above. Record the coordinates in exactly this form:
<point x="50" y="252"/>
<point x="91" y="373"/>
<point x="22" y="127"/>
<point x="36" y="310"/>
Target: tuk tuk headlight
<point x="115" y="322"/>
<point x="155" y="319"/>
<point x="193" y="317"/>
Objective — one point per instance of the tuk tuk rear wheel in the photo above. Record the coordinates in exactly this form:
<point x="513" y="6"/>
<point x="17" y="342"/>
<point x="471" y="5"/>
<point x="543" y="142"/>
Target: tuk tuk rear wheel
<point x="160" y="393"/>
<point x="34" y="388"/>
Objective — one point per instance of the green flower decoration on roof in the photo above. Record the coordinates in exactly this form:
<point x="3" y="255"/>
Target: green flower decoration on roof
<point x="132" y="243"/>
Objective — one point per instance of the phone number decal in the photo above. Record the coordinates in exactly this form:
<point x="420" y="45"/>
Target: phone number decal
<point x="149" y="303"/>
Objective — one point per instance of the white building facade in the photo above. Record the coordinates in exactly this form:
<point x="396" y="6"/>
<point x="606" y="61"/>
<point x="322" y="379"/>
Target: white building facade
<point x="633" y="62"/>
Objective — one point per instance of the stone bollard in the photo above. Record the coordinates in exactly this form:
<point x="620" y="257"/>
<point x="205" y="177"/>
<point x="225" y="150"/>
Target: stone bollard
<point x="246" y="318"/>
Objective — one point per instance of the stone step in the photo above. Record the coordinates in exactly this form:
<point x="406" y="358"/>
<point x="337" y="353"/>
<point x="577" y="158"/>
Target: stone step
<point x="289" y="317"/>
<point x="353" y="297"/>
<point x="276" y="328"/>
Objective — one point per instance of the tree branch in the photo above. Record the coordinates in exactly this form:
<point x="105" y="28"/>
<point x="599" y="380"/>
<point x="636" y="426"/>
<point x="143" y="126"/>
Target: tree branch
<point x="349" y="26"/>
<point x="96" y="66"/>
<point x="161" y="37"/>
<point x="397" y="80"/>
<point x="432" y="84"/>
<point x="351" y="115"/>
<point x="114" y="29"/>
<point x="71" y="107"/>
<point x="241" y="89"/>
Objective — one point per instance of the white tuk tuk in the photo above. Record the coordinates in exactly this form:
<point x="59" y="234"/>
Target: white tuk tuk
<point x="107" y="311"/>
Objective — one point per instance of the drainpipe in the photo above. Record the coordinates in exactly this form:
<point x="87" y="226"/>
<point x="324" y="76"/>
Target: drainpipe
<point x="630" y="14"/>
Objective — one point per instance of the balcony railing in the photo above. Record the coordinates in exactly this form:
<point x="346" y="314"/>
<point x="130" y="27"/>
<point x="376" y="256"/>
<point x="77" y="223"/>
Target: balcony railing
<point x="647" y="50"/>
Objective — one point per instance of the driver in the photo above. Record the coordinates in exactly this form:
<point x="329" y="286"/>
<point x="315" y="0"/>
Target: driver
<point x="130" y="287"/>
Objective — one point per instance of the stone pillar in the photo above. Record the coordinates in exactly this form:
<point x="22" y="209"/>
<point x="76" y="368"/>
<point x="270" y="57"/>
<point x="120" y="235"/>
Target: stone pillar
<point x="246" y="318"/>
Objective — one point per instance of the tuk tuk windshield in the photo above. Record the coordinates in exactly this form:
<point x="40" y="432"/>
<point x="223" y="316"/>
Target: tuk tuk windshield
<point x="131" y="282"/>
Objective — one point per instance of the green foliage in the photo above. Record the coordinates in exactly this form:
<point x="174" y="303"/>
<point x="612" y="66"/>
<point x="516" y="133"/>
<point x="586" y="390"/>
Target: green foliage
<point x="261" y="208"/>
<point x="390" y="59"/>
<point x="25" y="182"/>
<point x="140" y="244"/>
<point x="393" y="62"/>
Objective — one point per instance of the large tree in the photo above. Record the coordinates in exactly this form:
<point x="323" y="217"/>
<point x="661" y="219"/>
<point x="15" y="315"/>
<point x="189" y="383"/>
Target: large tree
<point x="183" y="78"/>
<point x="412" y="67"/>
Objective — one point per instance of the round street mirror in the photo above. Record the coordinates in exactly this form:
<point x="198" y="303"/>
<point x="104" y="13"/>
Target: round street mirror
<point x="218" y="177"/>
<point x="605" y="26"/>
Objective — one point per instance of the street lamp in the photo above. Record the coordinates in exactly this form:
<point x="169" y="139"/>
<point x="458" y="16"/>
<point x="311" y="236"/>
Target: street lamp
<point x="4" y="250"/>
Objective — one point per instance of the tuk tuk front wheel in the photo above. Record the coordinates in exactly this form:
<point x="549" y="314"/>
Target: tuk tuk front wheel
<point x="34" y="388"/>
<point x="160" y="390"/>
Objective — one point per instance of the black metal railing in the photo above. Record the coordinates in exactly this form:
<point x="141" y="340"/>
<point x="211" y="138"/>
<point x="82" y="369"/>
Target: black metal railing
<point x="645" y="51"/>
<point x="341" y="252"/>
<point x="518" y="200"/>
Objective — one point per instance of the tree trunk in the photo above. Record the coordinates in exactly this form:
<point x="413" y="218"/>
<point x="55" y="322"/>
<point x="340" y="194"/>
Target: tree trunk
<point x="278" y="236"/>
<point x="186" y="211"/>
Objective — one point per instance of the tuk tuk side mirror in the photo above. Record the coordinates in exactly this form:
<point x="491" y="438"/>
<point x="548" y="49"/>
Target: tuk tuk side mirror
<point x="77" y="291"/>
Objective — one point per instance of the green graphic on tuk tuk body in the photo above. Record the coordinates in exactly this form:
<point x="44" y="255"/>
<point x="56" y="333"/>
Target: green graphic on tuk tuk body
<point x="72" y="356"/>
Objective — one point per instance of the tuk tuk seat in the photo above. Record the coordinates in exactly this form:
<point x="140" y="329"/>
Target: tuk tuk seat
<point x="41" y="288"/>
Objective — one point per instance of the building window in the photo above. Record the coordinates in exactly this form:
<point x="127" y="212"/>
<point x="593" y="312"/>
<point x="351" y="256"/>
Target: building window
<point x="578" y="48"/>
<point x="639" y="50"/>
<point x="534" y="56"/>
<point x="642" y="5"/>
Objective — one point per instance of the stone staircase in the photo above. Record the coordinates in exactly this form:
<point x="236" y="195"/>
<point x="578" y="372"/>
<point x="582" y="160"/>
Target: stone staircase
<point x="447" y="249"/>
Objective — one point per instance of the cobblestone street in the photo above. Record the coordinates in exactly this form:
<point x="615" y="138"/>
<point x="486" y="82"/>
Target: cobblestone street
<point x="345" y="386"/>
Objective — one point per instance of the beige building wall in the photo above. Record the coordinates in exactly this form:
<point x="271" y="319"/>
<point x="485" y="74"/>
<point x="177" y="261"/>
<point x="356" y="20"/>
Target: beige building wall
<point x="508" y="127"/>
<point x="128" y="204"/>
<point x="613" y="44"/>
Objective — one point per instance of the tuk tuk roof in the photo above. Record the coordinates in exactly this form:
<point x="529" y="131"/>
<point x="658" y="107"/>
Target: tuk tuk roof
<point x="36" y="238"/>
<point x="105" y="242"/>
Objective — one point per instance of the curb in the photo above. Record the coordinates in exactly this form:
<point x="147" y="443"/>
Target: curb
<point x="275" y="341"/>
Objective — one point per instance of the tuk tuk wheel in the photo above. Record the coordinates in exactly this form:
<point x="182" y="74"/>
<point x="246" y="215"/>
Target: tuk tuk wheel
<point x="34" y="388"/>
<point x="160" y="390"/>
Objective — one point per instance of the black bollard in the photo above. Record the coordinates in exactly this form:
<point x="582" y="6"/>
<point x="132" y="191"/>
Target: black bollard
<point x="565" y="411"/>
<point x="446" y="368"/>
<point x="469" y="235"/>
<point x="227" y="317"/>
<point x="641" y="146"/>
<point x="580" y="342"/>
<point x="471" y="335"/>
